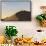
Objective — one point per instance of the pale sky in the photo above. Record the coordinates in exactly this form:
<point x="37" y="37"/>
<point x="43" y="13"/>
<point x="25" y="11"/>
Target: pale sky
<point x="10" y="8"/>
<point x="15" y="0"/>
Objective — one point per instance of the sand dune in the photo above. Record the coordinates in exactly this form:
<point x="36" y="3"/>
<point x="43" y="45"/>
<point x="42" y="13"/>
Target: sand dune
<point x="19" y="16"/>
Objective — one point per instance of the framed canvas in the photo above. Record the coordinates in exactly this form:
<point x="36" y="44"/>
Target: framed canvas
<point x="16" y="11"/>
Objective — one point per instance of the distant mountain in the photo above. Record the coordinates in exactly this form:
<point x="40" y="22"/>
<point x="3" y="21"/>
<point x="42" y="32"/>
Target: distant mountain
<point x="19" y="16"/>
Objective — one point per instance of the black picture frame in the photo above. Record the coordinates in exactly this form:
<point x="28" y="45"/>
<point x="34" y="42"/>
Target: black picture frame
<point x="22" y="15"/>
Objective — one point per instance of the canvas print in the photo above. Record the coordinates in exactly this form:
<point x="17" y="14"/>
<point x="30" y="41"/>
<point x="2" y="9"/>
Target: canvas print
<point x="16" y="11"/>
